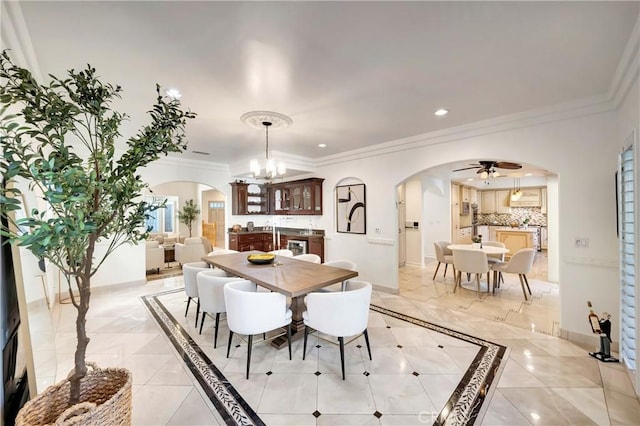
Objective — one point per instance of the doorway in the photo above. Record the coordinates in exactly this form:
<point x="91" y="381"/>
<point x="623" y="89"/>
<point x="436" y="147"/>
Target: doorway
<point x="215" y="215"/>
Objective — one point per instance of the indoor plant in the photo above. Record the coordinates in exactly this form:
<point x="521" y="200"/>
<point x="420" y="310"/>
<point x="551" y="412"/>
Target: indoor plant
<point x="188" y="214"/>
<point x="60" y="138"/>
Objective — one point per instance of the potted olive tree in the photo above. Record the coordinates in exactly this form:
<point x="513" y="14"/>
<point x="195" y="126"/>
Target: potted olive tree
<point x="188" y="214"/>
<point x="61" y="138"/>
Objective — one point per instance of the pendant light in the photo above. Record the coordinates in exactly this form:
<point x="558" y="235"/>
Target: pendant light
<point x="269" y="168"/>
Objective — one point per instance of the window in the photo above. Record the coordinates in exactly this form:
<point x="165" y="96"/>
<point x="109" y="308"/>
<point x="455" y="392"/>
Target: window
<point x="162" y="220"/>
<point x="627" y="217"/>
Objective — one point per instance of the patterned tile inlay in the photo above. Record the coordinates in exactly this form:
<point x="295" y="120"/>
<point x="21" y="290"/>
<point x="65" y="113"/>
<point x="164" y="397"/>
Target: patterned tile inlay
<point x="465" y="402"/>
<point x="461" y="409"/>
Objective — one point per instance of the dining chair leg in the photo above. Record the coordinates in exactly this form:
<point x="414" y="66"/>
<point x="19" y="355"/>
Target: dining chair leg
<point x="202" y="321"/>
<point x="215" y="332"/>
<point x="495" y="281"/>
<point x="197" y="311"/>
<point x="304" y="344"/>
<point x="187" y="310"/>
<point x="250" y="343"/>
<point x="366" y="339"/>
<point x="446" y="265"/>
<point x="436" y="272"/>
<point x="289" y="339"/>
<point x="229" y="344"/>
<point x="456" y="280"/>
<point x="341" y="340"/>
<point x="526" y="281"/>
<point x="468" y="276"/>
<point x="522" y="285"/>
<point x="478" y="282"/>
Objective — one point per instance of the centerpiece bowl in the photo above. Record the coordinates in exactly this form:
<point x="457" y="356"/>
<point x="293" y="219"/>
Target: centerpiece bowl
<point x="261" y="258"/>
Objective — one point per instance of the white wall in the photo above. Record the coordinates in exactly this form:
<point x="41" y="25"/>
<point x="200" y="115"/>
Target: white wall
<point x="578" y="149"/>
<point x="413" y="197"/>
<point x="436" y="214"/>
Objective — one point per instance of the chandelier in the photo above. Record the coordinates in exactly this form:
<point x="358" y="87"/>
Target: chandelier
<point x="269" y="168"/>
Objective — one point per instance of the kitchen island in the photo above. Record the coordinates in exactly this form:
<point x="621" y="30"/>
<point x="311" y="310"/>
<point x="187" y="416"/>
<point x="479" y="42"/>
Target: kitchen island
<point x="516" y="239"/>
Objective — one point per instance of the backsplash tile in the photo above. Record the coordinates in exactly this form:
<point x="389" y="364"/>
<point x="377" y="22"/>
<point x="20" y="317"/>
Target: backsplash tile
<point x="519" y="214"/>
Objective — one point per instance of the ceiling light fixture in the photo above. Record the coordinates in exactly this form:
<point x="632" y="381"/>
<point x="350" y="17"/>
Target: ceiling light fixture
<point x="441" y="112"/>
<point x="486" y="173"/>
<point x="266" y="120"/>
<point x="322" y="145"/>
<point x="173" y="93"/>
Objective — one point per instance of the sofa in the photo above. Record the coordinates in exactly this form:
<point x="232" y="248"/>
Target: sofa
<point x="192" y="250"/>
<point x="154" y="256"/>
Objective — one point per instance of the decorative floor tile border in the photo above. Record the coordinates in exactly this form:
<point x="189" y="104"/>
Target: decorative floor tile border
<point x="462" y="408"/>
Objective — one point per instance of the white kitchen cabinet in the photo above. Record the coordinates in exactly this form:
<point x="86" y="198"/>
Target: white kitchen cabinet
<point x="503" y="199"/>
<point x="473" y="195"/>
<point x="455" y="194"/>
<point x="543" y="201"/>
<point x="488" y="204"/>
<point x="544" y="237"/>
<point x="465" y="194"/>
<point x="530" y="198"/>
<point x="464" y="235"/>
<point x="484" y="231"/>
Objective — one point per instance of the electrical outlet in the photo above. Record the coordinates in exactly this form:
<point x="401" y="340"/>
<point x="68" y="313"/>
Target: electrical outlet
<point x="378" y="230"/>
<point x="581" y="242"/>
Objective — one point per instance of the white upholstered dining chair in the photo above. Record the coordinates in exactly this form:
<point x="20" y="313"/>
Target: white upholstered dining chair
<point x="251" y="312"/>
<point x="471" y="262"/>
<point x="443" y="255"/>
<point x="495" y="258"/>
<point x="520" y="263"/>
<point x="344" y="264"/>
<point x="211" y="295"/>
<point x="339" y="313"/>
<point x="189" y="274"/>
<point x="282" y="252"/>
<point x="308" y="257"/>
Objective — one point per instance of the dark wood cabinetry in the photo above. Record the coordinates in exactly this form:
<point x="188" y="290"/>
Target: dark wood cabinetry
<point x="299" y="197"/>
<point x="263" y="241"/>
<point x="249" y="198"/>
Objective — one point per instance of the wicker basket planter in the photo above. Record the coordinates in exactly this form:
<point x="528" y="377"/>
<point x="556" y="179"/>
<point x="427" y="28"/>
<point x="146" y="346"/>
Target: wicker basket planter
<point x="105" y="399"/>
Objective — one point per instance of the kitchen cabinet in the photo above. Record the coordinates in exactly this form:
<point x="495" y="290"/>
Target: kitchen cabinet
<point x="543" y="201"/>
<point x="316" y="246"/>
<point x="465" y="194"/>
<point x="263" y="241"/>
<point x="544" y="237"/>
<point x="245" y="242"/>
<point x="503" y="198"/>
<point x="455" y="194"/>
<point x="530" y="198"/>
<point x="488" y="202"/>
<point x="248" y="198"/>
<point x="473" y="195"/>
<point x="464" y="236"/>
<point x="300" y="197"/>
<point x="484" y="231"/>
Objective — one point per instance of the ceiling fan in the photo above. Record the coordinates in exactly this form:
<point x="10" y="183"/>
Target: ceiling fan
<point x="488" y="168"/>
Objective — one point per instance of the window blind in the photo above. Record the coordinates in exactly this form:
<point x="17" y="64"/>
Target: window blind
<point x="626" y="218"/>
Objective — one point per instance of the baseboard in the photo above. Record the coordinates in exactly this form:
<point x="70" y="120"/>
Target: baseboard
<point x="591" y="342"/>
<point x="385" y="289"/>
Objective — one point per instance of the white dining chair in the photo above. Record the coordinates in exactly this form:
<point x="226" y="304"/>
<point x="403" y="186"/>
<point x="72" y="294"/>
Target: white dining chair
<point x="282" y="252"/>
<point x="250" y="312"/>
<point x="471" y="262"/>
<point x="340" y="314"/>
<point x="308" y="257"/>
<point x="520" y="263"/>
<point x="211" y="296"/>
<point x="443" y="255"/>
<point x="189" y="274"/>
<point x="219" y="252"/>
<point x="344" y="264"/>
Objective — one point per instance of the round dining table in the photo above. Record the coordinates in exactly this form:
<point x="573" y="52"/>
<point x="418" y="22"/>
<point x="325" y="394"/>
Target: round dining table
<point x="487" y="250"/>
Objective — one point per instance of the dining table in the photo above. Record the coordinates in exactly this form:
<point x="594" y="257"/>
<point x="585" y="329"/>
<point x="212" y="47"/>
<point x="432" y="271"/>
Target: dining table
<point x="485" y="248"/>
<point x="286" y="275"/>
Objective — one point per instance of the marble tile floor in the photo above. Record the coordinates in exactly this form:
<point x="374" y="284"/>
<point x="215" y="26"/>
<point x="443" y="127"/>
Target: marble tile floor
<point x="541" y="380"/>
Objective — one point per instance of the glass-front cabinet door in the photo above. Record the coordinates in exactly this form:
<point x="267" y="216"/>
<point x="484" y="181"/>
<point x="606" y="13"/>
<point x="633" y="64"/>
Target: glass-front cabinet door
<point x="296" y="197"/>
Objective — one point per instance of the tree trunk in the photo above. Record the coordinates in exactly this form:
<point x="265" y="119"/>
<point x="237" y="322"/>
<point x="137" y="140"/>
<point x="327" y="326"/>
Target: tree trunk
<point x="83" y="280"/>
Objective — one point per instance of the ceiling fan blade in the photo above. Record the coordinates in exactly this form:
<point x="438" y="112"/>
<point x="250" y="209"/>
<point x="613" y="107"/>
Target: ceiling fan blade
<point x="466" y="168"/>
<point x="507" y="165"/>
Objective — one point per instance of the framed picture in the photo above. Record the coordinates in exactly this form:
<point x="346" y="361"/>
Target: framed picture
<point x="351" y="209"/>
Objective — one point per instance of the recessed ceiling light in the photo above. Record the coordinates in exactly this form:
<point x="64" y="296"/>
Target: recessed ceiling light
<point x="470" y="180"/>
<point x="173" y="93"/>
<point x="528" y="174"/>
<point x="322" y="145"/>
<point x="441" y="112"/>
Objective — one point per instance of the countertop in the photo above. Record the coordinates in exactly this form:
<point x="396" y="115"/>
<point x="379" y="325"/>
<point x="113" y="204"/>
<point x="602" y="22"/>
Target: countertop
<point x="289" y="232"/>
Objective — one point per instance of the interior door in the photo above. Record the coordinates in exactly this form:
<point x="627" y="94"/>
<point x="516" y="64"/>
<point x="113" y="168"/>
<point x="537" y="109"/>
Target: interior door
<point x="216" y="215"/>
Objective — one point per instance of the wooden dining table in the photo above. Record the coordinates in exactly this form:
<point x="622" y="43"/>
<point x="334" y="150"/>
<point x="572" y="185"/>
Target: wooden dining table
<point x="287" y="275"/>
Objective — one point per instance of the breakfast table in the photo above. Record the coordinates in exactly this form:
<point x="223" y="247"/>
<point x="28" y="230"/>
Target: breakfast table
<point x="289" y="276"/>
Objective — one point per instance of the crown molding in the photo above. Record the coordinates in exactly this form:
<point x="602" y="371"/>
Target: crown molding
<point x="188" y="162"/>
<point x="627" y="70"/>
